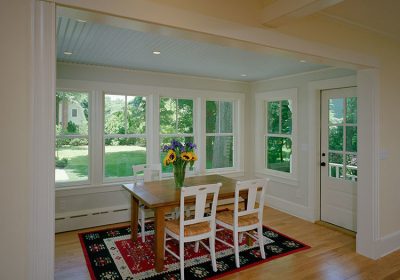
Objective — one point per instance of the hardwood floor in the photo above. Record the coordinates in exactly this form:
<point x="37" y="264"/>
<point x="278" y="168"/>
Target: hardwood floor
<point x="332" y="255"/>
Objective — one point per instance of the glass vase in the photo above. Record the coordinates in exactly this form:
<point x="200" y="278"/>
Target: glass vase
<point x="179" y="175"/>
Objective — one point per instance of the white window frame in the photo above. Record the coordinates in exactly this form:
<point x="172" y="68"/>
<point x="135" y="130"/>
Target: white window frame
<point x="177" y="135"/>
<point x="89" y="137"/>
<point x="262" y="131"/>
<point x="105" y="136"/>
<point x="233" y="134"/>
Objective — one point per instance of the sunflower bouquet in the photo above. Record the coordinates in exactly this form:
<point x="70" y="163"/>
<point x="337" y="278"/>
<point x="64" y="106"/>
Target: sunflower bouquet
<point x="179" y="155"/>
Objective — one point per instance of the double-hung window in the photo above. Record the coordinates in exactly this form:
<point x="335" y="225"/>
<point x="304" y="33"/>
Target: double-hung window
<point x="176" y="122"/>
<point x="279" y="135"/>
<point x="124" y="134"/>
<point x="72" y="137"/>
<point x="219" y="134"/>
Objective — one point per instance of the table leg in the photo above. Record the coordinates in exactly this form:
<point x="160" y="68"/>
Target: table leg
<point x="134" y="218"/>
<point x="159" y="238"/>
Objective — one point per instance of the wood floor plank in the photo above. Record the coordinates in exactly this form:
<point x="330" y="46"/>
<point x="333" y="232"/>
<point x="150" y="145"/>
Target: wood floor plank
<point x="332" y="255"/>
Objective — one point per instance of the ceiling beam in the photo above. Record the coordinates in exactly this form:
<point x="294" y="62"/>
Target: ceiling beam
<point x="283" y="11"/>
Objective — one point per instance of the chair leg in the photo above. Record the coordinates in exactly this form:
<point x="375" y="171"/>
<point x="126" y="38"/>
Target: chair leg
<point x="236" y="247"/>
<point x="196" y="246"/>
<point x="142" y="224"/>
<point x="240" y="237"/>
<point x="182" y="258"/>
<point x="212" y="252"/>
<point x="165" y="243"/>
<point x="261" y="241"/>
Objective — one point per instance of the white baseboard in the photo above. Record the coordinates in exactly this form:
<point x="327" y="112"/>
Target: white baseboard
<point x="289" y="207"/>
<point x="93" y="217"/>
<point x="389" y="244"/>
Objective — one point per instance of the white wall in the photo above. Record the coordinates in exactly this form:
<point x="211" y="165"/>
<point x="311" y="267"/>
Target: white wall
<point x="15" y="127"/>
<point x="292" y="195"/>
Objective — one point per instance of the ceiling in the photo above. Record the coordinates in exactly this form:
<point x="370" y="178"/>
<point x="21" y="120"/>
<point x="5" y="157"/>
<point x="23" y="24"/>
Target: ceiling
<point x="380" y="16"/>
<point x="105" y="44"/>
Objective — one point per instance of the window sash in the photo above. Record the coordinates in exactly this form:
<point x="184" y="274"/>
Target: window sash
<point x="268" y="134"/>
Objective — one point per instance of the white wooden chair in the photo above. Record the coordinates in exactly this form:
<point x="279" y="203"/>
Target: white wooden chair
<point x="201" y="226"/>
<point x="146" y="173"/>
<point x="243" y="221"/>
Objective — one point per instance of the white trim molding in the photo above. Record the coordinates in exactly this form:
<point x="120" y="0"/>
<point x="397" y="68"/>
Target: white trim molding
<point x="389" y="244"/>
<point x="368" y="225"/>
<point x="261" y="98"/>
<point x="42" y="193"/>
<point x="294" y="209"/>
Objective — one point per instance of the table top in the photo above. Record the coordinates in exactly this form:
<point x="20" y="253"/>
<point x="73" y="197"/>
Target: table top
<point x="164" y="193"/>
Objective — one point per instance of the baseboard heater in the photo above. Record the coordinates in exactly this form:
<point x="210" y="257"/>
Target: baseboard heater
<point x="98" y="217"/>
<point x="91" y="218"/>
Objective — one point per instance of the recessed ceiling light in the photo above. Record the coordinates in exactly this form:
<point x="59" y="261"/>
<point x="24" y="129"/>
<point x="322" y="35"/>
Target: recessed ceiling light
<point x="156" y="52"/>
<point x="67" y="53"/>
<point x="303" y="61"/>
<point x="243" y="75"/>
<point x="81" y="20"/>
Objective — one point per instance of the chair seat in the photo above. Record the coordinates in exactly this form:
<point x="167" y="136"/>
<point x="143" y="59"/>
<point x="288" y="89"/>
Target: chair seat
<point x="195" y="229"/>
<point x="246" y="220"/>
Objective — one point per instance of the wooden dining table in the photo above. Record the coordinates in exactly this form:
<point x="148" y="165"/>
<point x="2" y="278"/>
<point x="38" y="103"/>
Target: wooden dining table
<point x="163" y="196"/>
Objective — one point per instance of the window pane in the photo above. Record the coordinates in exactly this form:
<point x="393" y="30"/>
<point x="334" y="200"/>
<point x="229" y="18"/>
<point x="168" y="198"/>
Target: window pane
<point x="167" y="115"/>
<point x="72" y="113"/>
<point x="336" y="110"/>
<point x="185" y="116"/>
<point x="212" y="117"/>
<point x="167" y="141"/>
<point x="286" y="117"/>
<point x="279" y="151"/>
<point x="219" y="151"/>
<point x="351" y="138"/>
<point x="351" y="167"/>
<point x="121" y="154"/>
<point x="335" y="163"/>
<point x="136" y="114"/>
<point x="336" y="138"/>
<point x="114" y="114"/>
<point x="351" y="110"/>
<point x="72" y="159"/>
<point x="273" y="109"/>
<point x="226" y="117"/>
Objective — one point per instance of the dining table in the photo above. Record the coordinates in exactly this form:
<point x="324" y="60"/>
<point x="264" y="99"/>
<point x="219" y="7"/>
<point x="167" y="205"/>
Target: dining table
<point x="162" y="197"/>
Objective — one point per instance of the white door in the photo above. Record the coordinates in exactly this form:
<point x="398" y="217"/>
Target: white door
<point x="339" y="157"/>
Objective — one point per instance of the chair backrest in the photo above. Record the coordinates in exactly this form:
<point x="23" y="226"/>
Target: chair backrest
<point x="200" y="194"/>
<point x="253" y="188"/>
<point x="148" y="171"/>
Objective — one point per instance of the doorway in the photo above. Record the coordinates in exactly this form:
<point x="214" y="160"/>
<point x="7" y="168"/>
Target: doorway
<point x="339" y="157"/>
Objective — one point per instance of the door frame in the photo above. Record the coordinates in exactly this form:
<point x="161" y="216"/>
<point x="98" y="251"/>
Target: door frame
<point x="41" y="194"/>
<point x="367" y="83"/>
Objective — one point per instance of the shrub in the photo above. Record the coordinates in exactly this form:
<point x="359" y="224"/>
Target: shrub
<point x="61" y="163"/>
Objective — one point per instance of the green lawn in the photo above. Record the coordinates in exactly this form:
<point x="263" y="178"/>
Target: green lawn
<point x="118" y="161"/>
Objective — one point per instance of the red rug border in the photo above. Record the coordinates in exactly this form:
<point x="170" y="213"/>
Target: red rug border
<point x="85" y="253"/>
<point x="92" y="276"/>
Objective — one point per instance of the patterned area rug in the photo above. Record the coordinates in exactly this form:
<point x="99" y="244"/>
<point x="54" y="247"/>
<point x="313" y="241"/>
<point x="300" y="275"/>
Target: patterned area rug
<point x="111" y="255"/>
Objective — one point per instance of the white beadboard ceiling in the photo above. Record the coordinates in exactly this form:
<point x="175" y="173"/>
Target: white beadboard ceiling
<point x="100" y="44"/>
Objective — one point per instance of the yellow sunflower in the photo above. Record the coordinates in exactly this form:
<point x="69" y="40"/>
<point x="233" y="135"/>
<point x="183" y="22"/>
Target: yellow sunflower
<point x="186" y="156"/>
<point x="171" y="156"/>
<point x="194" y="156"/>
<point x="165" y="160"/>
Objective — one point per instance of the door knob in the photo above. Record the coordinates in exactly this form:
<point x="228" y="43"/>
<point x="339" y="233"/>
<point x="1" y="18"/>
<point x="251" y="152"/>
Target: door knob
<point x="323" y="164"/>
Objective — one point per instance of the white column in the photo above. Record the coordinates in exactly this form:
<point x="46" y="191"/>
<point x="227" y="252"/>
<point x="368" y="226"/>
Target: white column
<point x="42" y="192"/>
